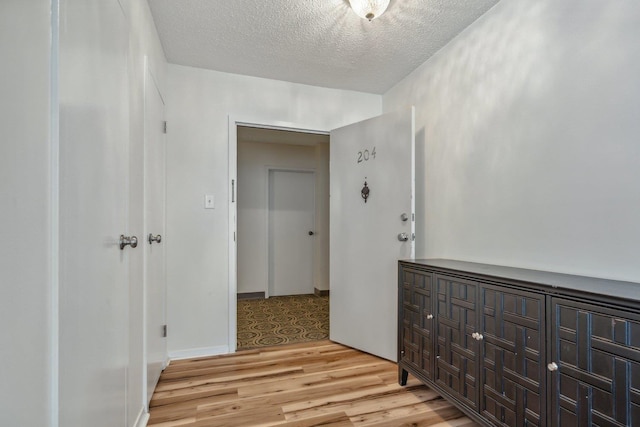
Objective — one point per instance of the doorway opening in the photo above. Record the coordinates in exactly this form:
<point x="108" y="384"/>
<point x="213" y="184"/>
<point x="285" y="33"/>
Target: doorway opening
<point x="282" y="194"/>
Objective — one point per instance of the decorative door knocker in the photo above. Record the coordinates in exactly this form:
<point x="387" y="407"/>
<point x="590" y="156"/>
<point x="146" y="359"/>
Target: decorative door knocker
<point x="365" y="192"/>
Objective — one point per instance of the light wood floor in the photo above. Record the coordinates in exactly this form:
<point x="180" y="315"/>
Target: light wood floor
<point x="311" y="384"/>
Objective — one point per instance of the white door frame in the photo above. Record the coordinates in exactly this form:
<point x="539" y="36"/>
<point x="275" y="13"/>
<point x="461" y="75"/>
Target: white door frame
<point x="268" y="172"/>
<point x="232" y="179"/>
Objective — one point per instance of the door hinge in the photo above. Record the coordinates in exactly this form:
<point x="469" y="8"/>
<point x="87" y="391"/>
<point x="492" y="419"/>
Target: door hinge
<point x="234" y="236"/>
<point x="164" y="126"/>
<point x="164" y="331"/>
<point x="233" y="191"/>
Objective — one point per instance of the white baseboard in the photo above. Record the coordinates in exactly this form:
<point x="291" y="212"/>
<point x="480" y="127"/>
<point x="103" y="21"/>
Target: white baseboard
<point x="143" y="419"/>
<point x="198" y="352"/>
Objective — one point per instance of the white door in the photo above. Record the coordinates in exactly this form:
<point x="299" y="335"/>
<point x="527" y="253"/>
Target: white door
<point x="365" y="244"/>
<point x="154" y="235"/>
<point x="291" y="228"/>
<point x="94" y="174"/>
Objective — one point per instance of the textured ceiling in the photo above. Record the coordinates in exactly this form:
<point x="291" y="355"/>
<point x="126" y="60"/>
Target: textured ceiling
<point x="315" y="42"/>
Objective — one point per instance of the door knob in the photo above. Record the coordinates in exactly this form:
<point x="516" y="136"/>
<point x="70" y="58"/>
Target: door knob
<point x="552" y="366"/>
<point x="126" y="240"/>
<point x="153" y="238"/>
<point x="404" y="217"/>
<point x="403" y="237"/>
<point x="311" y="233"/>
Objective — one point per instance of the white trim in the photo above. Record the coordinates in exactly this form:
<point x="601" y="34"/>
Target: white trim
<point x="145" y="253"/>
<point x="233" y="123"/>
<point x="199" y="352"/>
<point x="413" y="182"/>
<point x="143" y="418"/>
<point x="231" y="221"/>
<point x="54" y="218"/>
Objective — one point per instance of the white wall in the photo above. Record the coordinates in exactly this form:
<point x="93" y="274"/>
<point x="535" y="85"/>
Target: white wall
<point x="527" y="139"/>
<point x="25" y="225"/>
<point x="198" y="104"/>
<point x="253" y="160"/>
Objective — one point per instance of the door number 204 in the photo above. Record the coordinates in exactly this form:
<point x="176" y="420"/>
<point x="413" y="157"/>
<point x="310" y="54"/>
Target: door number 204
<point x="365" y="155"/>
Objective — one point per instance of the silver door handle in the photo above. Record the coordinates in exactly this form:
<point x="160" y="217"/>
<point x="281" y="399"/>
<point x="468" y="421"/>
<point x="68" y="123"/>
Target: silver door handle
<point x="552" y="366"/>
<point x="126" y="240"/>
<point x="403" y="237"/>
<point x="153" y="238"/>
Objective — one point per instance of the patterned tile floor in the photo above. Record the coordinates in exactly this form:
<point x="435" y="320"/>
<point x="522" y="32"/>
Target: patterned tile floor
<point x="282" y="320"/>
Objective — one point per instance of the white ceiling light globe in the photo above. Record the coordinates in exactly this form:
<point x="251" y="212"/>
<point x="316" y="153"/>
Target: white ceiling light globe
<point x="369" y="9"/>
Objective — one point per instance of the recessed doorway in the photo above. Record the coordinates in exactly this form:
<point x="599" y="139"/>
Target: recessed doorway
<point x="282" y="235"/>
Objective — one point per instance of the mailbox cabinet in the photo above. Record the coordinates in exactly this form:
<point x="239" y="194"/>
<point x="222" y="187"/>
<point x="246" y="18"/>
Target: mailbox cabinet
<point x="512" y="351"/>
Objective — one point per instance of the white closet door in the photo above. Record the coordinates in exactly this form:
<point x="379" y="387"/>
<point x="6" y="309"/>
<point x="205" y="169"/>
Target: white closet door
<point x="291" y="228"/>
<point x="154" y="225"/>
<point x="94" y="211"/>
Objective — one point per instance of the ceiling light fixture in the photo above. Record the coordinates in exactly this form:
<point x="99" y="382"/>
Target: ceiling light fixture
<point x="369" y="9"/>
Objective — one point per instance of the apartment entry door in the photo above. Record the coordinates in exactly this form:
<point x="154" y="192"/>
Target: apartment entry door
<point x="371" y="226"/>
<point x="291" y="231"/>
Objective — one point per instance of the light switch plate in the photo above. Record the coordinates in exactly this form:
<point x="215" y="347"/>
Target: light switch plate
<point x="209" y="201"/>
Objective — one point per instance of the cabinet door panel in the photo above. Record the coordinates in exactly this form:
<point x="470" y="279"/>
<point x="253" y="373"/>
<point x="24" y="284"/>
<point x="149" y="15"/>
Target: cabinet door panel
<point x="512" y="366"/>
<point x="598" y="353"/>
<point x="456" y="368"/>
<point x="417" y="336"/>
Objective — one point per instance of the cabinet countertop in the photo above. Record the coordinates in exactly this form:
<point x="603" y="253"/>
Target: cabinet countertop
<point x="559" y="281"/>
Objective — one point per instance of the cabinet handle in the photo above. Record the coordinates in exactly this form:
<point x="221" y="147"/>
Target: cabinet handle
<point x="474" y="335"/>
<point x="552" y="366"/>
<point x="479" y="337"/>
<point x="430" y="316"/>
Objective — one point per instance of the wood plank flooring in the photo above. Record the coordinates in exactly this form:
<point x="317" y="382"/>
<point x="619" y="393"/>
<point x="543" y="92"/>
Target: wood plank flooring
<point x="299" y="385"/>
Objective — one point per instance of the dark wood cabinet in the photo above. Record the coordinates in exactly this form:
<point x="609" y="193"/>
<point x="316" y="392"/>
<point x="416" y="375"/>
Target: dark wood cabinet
<point x="596" y="376"/>
<point x="417" y="321"/>
<point x="512" y="361"/>
<point x="513" y="347"/>
<point x="456" y="369"/>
